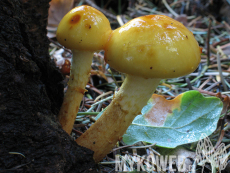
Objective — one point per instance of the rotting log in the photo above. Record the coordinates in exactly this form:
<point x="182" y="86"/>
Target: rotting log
<point x="31" y="93"/>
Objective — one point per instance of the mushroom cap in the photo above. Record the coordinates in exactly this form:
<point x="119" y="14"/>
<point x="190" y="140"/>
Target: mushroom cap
<point x="84" y="28"/>
<point x="153" y="46"/>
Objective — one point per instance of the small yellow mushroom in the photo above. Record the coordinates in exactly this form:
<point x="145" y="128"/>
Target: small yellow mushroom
<point x="84" y="30"/>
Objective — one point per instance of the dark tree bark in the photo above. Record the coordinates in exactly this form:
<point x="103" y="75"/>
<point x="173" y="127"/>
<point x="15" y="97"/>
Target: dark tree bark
<point x="31" y="93"/>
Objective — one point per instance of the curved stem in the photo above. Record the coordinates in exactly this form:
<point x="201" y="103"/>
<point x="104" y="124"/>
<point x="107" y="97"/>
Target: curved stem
<point x="79" y="74"/>
<point x="102" y="136"/>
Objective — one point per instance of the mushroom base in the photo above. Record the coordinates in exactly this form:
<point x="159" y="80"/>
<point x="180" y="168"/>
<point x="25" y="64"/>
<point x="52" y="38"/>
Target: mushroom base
<point x="102" y="136"/>
<point x="79" y="74"/>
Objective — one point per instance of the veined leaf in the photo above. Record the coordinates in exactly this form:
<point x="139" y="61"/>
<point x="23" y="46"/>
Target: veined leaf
<point x="170" y="123"/>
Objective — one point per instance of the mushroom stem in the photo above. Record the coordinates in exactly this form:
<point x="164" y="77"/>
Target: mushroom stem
<point x="79" y="74"/>
<point x="102" y="136"/>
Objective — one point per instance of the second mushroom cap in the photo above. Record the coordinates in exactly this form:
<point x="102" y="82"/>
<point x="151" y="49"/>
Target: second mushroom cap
<point x="84" y="28"/>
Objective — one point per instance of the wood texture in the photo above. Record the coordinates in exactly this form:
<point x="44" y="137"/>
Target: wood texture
<point x="31" y="93"/>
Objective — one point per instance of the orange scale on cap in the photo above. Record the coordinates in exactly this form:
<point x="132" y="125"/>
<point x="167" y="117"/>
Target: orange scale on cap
<point x="75" y="19"/>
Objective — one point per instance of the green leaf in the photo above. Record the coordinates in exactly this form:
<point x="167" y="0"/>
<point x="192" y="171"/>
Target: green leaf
<point x="170" y="123"/>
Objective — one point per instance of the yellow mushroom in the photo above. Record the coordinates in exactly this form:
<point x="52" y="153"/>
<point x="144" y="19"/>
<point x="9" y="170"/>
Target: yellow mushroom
<point x="84" y="30"/>
<point x="147" y="49"/>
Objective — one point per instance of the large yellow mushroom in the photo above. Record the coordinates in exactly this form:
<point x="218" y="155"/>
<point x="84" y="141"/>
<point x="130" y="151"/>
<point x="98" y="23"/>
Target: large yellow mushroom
<point x="147" y="49"/>
<point x="84" y="30"/>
